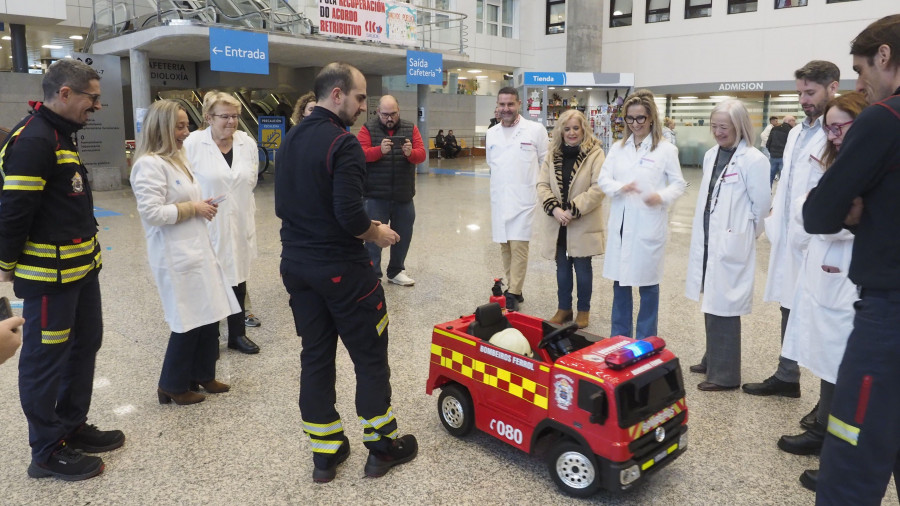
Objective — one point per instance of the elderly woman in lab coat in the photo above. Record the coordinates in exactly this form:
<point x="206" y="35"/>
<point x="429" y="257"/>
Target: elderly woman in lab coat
<point x="734" y="198"/>
<point x="190" y="281"/>
<point x="225" y="160"/>
<point x="822" y="312"/>
<point x="642" y="176"/>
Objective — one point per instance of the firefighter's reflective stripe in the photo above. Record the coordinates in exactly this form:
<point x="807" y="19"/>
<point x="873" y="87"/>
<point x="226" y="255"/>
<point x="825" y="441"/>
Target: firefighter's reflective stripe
<point x="12" y="139"/>
<point x="76" y="273"/>
<point x="74" y="250"/>
<point x="639" y="429"/>
<point x="382" y="324"/>
<point x="63" y="156"/>
<point x="651" y="462"/>
<point x="370" y="435"/>
<point x="26" y="183"/>
<point x="39" y="249"/>
<point x="51" y="275"/>
<point x="488" y="374"/>
<point x="323" y="429"/>
<point x="325" y="445"/>
<point x="843" y="430"/>
<point x="378" y="421"/>
<point x="55" y="336"/>
<point x="7" y="266"/>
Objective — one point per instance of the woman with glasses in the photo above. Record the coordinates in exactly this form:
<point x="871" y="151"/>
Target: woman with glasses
<point x="225" y="161"/>
<point x="189" y="279"/>
<point x="822" y="314"/>
<point x="734" y="198"/>
<point x="574" y="228"/>
<point x="643" y="178"/>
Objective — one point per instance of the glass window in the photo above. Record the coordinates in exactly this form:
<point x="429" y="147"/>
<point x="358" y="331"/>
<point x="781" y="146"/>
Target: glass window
<point x="784" y="4"/>
<point x="479" y="16"/>
<point x="739" y="6"/>
<point x="556" y="16"/>
<point x="495" y="17"/>
<point x="697" y="8"/>
<point x="620" y="14"/>
<point x="657" y="10"/>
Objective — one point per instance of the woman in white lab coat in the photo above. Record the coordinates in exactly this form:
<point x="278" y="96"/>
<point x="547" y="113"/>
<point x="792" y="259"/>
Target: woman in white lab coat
<point x="642" y="176"/>
<point x="734" y="198"/>
<point x="225" y="160"/>
<point x="822" y="312"/>
<point x="190" y="281"/>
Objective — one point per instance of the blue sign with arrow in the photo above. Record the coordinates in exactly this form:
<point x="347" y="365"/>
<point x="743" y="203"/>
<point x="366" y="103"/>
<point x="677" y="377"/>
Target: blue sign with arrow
<point x="238" y="51"/>
<point x="424" y="68"/>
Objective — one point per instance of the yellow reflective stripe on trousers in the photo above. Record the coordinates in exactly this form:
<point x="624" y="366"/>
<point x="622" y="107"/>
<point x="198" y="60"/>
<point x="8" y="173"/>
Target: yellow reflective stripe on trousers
<point x="322" y="429"/>
<point x="39" y="249"/>
<point x="374" y="436"/>
<point x="379" y="421"/>
<point x="843" y="430"/>
<point x="382" y="324"/>
<point x="27" y="183"/>
<point x="63" y="156"/>
<point x="74" y="250"/>
<point x="54" y="336"/>
<point x="324" y="445"/>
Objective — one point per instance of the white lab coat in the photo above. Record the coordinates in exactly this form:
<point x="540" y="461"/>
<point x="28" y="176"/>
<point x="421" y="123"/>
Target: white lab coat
<point x="190" y="281"/>
<point x="233" y="231"/>
<point x="786" y="252"/>
<point x="635" y="258"/>
<point x="515" y="165"/>
<point x="822" y="311"/>
<point x="738" y="207"/>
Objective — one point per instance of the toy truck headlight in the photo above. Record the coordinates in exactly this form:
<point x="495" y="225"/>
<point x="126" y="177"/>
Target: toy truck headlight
<point x="683" y="441"/>
<point x="634" y="352"/>
<point x="627" y="476"/>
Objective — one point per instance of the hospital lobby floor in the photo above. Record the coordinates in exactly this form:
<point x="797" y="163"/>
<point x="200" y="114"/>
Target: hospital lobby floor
<point x="246" y="447"/>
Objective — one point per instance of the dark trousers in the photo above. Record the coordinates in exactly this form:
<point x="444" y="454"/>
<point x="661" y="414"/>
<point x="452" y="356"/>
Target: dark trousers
<point x="346" y="300"/>
<point x="236" y="327"/>
<point x="190" y="356"/>
<point x="788" y="370"/>
<point x="584" y="276"/>
<point x="723" y="350"/>
<point x="400" y="216"/>
<point x="862" y="447"/>
<point x="62" y="334"/>
<point x="451" y="151"/>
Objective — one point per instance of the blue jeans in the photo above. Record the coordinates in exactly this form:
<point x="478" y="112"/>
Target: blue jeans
<point x="584" y="274"/>
<point x="648" y="314"/>
<point x="400" y="216"/>
<point x="776" y="164"/>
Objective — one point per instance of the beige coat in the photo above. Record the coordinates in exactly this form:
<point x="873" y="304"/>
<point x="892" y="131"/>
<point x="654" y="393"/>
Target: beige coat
<point x="586" y="235"/>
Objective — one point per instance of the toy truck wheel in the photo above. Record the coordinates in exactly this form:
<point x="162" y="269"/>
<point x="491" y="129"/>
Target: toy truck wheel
<point x="456" y="411"/>
<point x="574" y="470"/>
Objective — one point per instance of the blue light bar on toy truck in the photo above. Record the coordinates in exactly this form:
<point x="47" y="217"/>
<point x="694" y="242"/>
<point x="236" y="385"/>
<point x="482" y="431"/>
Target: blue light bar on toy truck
<point x="635" y="352"/>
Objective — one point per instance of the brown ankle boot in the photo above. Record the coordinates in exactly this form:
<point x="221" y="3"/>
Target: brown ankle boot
<point x="212" y="386"/>
<point x="180" y="399"/>
<point x="583" y="319"/>
<point x="561" y="316"/>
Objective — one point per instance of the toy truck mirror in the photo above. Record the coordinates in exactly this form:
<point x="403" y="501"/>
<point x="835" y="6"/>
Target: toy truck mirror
<point x="592" y="398"/>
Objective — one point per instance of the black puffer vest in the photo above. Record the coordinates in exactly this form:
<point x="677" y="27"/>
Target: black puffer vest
<point x="392" y="177"/>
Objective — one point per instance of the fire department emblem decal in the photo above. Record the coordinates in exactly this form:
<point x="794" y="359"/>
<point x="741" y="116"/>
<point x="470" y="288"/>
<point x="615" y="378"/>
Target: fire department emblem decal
<point x="563" y="391"/>
<point x="77" y="183"/>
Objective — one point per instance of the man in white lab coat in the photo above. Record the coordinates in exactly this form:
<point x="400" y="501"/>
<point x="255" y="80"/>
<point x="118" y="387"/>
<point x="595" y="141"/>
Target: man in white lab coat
<point x="516" y="147"/>
<point x="817" y="82"/>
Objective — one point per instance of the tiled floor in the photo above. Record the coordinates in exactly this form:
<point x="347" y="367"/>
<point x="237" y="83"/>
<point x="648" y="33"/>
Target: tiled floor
<point x="246" y="447"/>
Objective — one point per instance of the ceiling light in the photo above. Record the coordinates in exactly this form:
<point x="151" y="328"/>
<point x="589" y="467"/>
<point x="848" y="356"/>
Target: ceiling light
<point x="617" y="13"/>
<point x="462" y="78"/>
<point x="481" y="77"/>
<point x="788" y="95"/>
<point x="493" y="81"/>
<point x="474" y="71"/>
<point x="720" y="97"/>
<point x="459" y="70"/>
<point x="579" y="91"/>
<point x="687" y="97"/>
<point x="565" y="89"/>
<point x="589" y="89"/>
<point x="51" y="46"/>
<point x="7" y="37"/>
<point x="76" y="37"/>
<point x="552" y="88"/>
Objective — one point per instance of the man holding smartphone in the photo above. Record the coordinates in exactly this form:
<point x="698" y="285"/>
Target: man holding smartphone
<point x="49" y="250"/>
<point x="393" y="147"/>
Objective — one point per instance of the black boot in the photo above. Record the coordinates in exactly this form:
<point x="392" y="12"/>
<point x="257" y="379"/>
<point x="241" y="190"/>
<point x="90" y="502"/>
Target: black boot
<point x="243" y="345"/>
<point x="807" y="443"/>
<point x="809" y="421"/>
<point x="809" y="479"/>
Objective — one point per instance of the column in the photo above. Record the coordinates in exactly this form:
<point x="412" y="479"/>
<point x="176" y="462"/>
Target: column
<point x="584" y="21"/>
<point x="140" y="85"/>
<point x="422" y="110"/>
<point x="19" y="48"/>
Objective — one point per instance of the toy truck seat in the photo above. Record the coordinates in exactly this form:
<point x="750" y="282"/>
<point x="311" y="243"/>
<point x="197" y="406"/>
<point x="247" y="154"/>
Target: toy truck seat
<point x="489" y="320"/>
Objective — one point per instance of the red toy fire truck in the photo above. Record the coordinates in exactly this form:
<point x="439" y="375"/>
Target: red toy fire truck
<point x="605" y="412"/>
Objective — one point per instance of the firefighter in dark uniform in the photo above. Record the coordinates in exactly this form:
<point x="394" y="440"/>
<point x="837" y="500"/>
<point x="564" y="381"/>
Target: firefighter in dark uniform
<point x="327" y="272"/>
<point x="860" y="191"/>
<point x="49" y="249"/>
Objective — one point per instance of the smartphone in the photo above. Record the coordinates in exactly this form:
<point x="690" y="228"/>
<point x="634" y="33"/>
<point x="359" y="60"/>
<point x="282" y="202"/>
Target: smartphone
<point x="398" y="140"/>
<point x="217" y="200"/>
<point x="5" y="309"/>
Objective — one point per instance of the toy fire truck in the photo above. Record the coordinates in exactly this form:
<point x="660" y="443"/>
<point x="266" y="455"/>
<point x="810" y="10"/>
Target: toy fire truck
<point x="604" y="412"/>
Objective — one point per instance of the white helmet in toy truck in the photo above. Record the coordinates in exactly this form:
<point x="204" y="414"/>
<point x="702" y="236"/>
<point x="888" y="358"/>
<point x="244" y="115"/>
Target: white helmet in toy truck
<point x="512" y="339"/>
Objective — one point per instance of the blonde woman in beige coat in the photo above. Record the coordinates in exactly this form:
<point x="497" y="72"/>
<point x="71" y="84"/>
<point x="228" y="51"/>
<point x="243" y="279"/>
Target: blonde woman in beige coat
<point x="573" y="226"/>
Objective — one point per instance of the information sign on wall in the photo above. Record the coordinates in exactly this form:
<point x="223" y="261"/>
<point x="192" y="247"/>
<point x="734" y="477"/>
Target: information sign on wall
<point x="101" y="143"/>
<point x="374" y="20"/>
<point x="271" y="133"/>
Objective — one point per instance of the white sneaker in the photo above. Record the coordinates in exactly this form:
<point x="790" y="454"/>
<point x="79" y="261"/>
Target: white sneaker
<point x="402" y="279"/>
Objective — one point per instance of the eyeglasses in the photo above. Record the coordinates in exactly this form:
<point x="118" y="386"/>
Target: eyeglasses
<point x="639" y="119"/>
<point x="389" y="115"/>
<point x="227" y="117"/>
<point x="837" y="128"/>
<point x="94" y="97"/>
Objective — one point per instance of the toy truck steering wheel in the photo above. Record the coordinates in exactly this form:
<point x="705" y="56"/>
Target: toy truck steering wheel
<point x="558" y="334"/>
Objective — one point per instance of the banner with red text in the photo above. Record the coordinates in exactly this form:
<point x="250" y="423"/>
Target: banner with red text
<point x="374" y="20"/>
